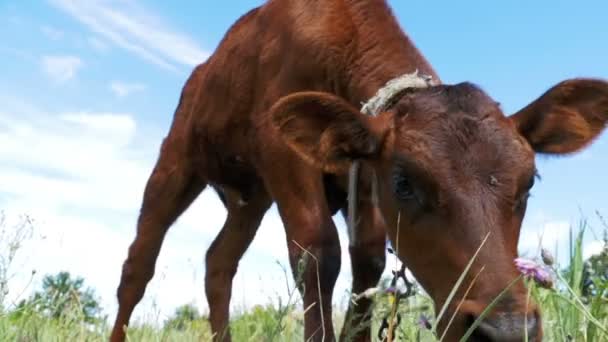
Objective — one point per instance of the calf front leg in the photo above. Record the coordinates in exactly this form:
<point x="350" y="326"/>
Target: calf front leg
<point x="315" y="258"/>
<point x="224" y="254"/>
<point x="367" y="254"/>
<point x="312" y="240"/>
<point x="169" y="191"/>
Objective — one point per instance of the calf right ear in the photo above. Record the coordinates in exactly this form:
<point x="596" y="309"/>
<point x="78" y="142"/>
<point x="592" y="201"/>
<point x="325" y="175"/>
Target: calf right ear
<point x="325" y="130"/>
<point x="566" y="118"/>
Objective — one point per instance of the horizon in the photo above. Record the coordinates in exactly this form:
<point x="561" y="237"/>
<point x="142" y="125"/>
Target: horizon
<point x="106" y="77"/>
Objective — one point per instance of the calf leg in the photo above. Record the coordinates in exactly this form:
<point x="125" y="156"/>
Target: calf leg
<point x="224" y="254"/>
<point x="170" y="189"/>
<point x="313" y="244"/>
<point x="367" y="254"/>
<point x="315" y="257"/>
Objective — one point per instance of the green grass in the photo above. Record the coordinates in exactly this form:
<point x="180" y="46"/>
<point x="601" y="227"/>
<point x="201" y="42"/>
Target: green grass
<point x="568" y="315"/>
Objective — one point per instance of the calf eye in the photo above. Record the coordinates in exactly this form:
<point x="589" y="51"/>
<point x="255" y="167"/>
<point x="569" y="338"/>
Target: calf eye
<point x="403" y="188"/>
<point x="531" y="183"/>
<point x="532" y="180"/>
<point x="522" y="202"/>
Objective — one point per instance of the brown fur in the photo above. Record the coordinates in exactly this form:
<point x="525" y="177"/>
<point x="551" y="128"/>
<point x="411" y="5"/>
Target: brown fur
<point x="272" y="116"/>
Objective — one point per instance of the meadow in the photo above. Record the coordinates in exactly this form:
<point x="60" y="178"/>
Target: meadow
<point x="573" y="300"/>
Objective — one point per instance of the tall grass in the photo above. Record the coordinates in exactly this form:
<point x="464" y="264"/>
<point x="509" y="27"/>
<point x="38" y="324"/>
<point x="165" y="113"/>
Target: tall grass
<point x="569" y="314"/>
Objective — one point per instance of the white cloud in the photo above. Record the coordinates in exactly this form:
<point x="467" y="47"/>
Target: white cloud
<point x="593" y="248"/>
<point x="71" y="172"/>
<point x="52" y="32"/>
<point x="122" y="89"/>
<point x="98" y="44"/>
<point x="121" y="127"/>
<point x="61" y="68"/>
<point x="136" y="30"/>
<point x="70" y="161"/>
<point x="541" y="231"/>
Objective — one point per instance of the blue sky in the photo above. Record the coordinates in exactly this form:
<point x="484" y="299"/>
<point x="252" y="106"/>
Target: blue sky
<point x="88" y="90"/>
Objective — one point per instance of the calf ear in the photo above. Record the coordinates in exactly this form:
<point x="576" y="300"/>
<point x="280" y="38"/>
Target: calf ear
<point x="325" y="129"/>
<point x="566" y="118"/>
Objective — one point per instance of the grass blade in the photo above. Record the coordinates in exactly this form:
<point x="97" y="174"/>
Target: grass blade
<point x="458" y="283"/>
<point x="487" y="310"/>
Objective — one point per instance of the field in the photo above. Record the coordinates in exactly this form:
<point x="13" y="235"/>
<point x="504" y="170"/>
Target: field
<point x="574" y="307"/>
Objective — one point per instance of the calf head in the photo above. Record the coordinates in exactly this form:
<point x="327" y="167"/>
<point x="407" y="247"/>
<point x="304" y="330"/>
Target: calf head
<point x="452" y="169"/>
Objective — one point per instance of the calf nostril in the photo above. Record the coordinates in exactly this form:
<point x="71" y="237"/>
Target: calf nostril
<point x="505" y="328"/>
<point x="485" y="332"/>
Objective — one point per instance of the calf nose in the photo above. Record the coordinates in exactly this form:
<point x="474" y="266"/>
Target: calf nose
<point x="507" y="328"/>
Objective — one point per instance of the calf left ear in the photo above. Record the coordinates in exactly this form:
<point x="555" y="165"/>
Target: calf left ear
<point x="566" y="118"/>
<point x="325" y="130"/>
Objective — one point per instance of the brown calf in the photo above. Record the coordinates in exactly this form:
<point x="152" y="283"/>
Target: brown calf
<point x="273" y="115"/>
